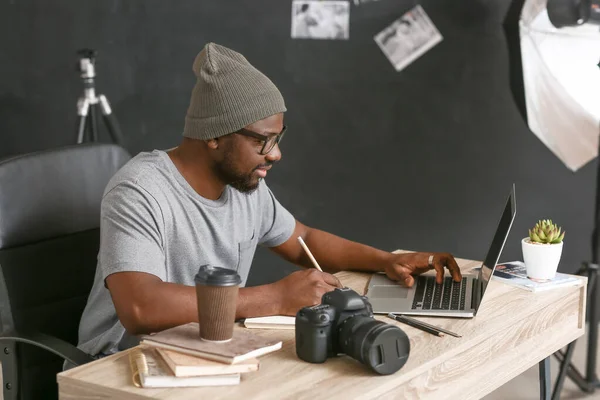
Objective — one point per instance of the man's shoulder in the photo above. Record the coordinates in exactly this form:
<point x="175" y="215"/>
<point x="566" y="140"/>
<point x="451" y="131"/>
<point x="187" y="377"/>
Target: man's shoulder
<point x="146" y="170"/>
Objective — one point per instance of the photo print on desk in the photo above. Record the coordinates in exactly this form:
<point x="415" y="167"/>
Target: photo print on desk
<point x="320" y="19"/>
<point x="408" y="38"/>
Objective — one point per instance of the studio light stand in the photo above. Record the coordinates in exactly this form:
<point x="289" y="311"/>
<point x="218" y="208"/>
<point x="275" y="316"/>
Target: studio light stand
<point x="88" y="103"/>
<point x="573" y="13"/>
<point x="590" y="382"/>
<point x="562" y="13"/>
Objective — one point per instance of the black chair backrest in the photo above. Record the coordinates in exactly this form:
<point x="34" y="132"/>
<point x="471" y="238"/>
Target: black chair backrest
<point x="49" y="239"/>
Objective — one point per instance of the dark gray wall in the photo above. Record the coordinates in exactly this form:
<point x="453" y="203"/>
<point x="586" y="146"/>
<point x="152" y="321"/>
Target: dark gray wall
<point x="422" y="159"/>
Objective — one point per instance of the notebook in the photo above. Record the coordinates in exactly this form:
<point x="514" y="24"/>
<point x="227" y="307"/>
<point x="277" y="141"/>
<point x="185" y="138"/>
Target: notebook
<point x="185" y="365"/>
<point x="272" y="322"/>
<point x="185" y="339"/>
<point x="149" y="371"/>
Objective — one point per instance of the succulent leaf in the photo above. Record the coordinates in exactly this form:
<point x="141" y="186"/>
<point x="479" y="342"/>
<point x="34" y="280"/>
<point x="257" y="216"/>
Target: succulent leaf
<point x="545" y="231"/>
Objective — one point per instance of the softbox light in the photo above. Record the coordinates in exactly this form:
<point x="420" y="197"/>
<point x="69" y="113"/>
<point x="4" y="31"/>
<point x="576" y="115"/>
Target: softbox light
<point x="560" y="76"/>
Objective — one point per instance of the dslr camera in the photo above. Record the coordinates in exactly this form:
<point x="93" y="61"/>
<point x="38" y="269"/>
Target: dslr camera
<point x="343" y="324"/>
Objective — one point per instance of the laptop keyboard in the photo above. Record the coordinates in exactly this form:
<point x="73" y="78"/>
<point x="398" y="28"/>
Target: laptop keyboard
<point x="430" y="295"/>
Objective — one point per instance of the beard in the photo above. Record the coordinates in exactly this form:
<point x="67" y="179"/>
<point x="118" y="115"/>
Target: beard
<point x="228" y="174"/>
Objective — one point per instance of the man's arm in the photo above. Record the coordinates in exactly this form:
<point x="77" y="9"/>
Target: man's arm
<point x="334" y="254"/>
<point x="146" y="304"/>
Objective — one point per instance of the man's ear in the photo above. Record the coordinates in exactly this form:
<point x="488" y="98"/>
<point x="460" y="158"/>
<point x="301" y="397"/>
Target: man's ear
<point x="213" y="143"/>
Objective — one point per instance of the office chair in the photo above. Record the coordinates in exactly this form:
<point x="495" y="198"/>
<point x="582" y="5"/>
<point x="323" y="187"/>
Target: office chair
<point x="49" y="240"/>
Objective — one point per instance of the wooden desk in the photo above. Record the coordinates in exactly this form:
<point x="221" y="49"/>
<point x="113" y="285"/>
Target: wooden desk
<point x="513" y="331"/>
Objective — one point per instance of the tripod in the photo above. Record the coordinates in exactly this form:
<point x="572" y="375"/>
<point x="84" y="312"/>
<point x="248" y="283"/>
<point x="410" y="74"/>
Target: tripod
<point x="590" y="382"/>
<point x="88" y="103"/>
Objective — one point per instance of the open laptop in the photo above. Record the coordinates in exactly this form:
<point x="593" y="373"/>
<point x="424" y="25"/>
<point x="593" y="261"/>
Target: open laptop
<point x="449" y="299"/>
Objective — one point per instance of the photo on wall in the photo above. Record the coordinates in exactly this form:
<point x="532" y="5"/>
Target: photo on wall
<point x="408" y="38"/>
<point x="320" y="19"/>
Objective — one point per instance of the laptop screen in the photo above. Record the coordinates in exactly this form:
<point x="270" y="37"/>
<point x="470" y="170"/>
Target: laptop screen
<point x="491" y="259"/>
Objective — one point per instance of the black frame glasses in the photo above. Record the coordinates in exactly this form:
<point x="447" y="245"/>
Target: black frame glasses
<point x="269" y="142"/>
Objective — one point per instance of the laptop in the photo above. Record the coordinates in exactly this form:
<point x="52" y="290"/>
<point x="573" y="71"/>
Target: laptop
<point x="449" y="299"/>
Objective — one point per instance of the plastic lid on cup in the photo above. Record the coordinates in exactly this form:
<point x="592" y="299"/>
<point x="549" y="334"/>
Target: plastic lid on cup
<point x="217" y="276"/>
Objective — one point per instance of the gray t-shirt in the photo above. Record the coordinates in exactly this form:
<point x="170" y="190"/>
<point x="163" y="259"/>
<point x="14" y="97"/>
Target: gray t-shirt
<point x="153" y="221"/>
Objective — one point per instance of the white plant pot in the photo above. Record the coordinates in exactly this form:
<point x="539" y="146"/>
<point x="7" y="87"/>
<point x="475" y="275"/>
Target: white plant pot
<point x="541" y="260"/>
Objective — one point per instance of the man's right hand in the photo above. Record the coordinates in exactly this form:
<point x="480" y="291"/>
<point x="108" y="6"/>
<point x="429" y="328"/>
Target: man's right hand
<point x="303" y="288"/>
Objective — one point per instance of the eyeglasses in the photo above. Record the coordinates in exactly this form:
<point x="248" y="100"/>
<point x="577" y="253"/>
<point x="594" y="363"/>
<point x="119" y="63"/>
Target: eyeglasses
<point x="269" y="142"/>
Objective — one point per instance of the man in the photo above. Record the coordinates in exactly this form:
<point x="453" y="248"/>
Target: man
<point x="165" y="214"/>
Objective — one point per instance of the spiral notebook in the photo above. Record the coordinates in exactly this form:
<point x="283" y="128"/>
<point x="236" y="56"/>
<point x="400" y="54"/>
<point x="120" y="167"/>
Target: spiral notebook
<point x="149" y="371"/>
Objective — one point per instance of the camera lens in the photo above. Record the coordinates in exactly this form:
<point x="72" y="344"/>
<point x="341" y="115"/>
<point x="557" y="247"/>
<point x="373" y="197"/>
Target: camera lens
<point x="382" y="347"/>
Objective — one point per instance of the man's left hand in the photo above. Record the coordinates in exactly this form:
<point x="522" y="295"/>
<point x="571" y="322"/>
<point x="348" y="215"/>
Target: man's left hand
<point x="403" y="266"/>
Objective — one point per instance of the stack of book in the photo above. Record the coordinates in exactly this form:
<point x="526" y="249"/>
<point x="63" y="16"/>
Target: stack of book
<point x="177" y="357"/>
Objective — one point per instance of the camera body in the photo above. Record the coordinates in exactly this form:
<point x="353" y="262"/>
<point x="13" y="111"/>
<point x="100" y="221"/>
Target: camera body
<point x="343" y="324"/>
<point x="316" y="326"/>
<point x="86" y="64"/>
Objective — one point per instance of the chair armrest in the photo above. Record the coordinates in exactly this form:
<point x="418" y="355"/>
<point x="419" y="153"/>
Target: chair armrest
<point x="50" y="343"/>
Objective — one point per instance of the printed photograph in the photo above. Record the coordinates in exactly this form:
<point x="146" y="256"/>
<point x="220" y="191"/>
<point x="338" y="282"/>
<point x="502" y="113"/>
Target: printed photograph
<point x="408" y="38"/>
<point x="320" y="19"/>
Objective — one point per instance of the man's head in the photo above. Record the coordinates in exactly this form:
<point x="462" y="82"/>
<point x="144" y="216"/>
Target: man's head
<point x="243" y="158"/>
<point x="238" y="112"/>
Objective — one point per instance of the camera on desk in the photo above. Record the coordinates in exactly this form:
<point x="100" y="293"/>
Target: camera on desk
<point x="343" y="324"/>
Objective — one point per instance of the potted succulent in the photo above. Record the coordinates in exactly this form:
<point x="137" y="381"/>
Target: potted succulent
<point x="542" y="250"/>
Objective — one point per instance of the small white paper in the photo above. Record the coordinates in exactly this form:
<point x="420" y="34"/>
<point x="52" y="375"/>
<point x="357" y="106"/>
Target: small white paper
<point x="359" y="2"/>
<point x="272" y="322"/>
<point x="408" y="38"/>
<point x="320" y="19"/>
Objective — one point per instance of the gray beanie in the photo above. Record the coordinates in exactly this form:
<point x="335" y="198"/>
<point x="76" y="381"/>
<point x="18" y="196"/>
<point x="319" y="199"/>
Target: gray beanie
<point x="229" y="94"/>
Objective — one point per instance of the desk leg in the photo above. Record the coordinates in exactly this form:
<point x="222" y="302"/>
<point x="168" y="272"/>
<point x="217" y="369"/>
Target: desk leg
<point x="545" y="391"/>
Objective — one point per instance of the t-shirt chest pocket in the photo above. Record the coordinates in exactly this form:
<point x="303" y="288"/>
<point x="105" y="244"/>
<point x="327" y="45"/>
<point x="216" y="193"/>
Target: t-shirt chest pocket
<point x="245" y="255"/>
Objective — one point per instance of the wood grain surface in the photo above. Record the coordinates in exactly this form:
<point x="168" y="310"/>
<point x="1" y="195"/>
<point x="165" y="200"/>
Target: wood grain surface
<point x="513" y="330"/>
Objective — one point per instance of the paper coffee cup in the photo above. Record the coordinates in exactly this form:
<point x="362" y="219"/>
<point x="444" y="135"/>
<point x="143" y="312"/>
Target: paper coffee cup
<point x="217" y="292"/>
